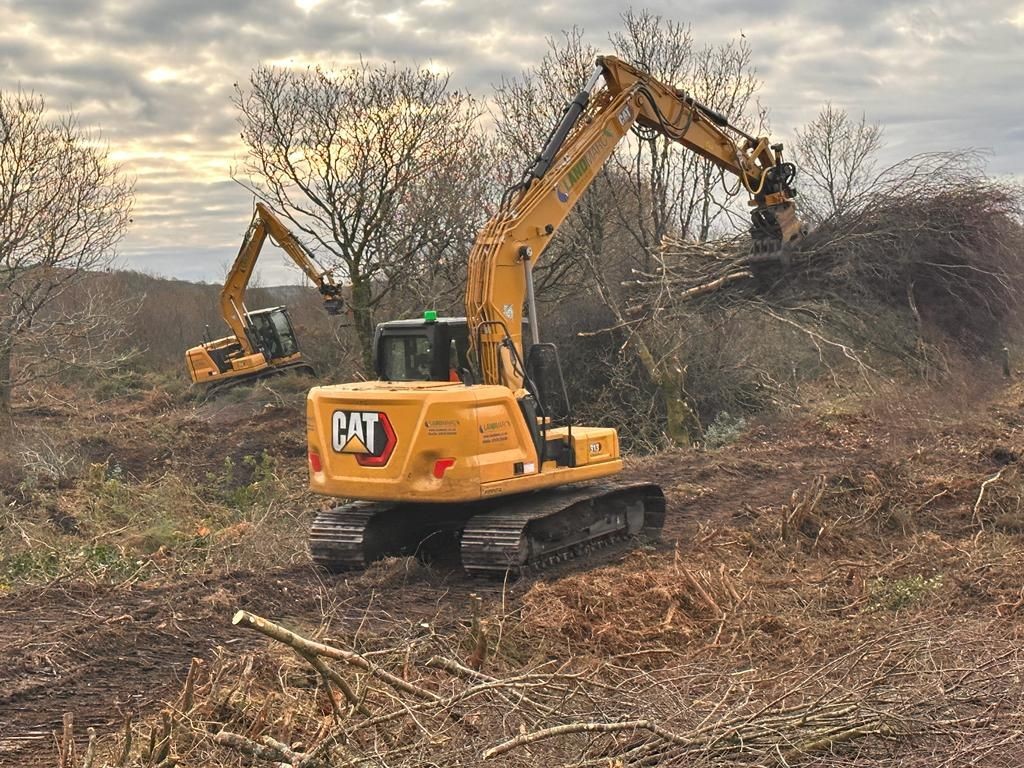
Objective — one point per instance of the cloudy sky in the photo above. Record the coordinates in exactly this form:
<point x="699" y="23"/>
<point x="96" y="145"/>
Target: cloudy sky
<point x="157" y="76"/>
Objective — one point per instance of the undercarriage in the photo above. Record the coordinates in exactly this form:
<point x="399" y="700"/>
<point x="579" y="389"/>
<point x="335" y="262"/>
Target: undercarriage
<point x="507" y="535"/>
<point x="219" y="387"/>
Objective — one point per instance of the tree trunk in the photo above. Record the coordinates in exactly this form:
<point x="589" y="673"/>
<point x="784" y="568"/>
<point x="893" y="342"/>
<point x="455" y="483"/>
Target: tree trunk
<point x="682" y="427"/>
<point x="362" y="318"/>
<point x="5" y="378"/>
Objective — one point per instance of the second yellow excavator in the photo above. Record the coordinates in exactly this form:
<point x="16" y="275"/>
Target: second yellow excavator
<point x="263" y="341"/>
<point x="465" y="433"/>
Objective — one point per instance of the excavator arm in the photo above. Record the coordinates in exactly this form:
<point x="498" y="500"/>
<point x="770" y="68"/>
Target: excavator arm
<point x="755" y="161"/>
<point x="507" y="248"/>
<point x="232" y="296"/>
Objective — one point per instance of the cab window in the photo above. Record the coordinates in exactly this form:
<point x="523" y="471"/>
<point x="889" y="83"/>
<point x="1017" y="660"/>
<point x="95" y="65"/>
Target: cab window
<point x="285" y="337"/>
<point x="266" y="338"/>
<point x="407" y="358"/>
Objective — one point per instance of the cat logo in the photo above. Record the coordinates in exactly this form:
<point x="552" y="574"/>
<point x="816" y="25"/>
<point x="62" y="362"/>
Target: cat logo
<point x="368" y="435"/>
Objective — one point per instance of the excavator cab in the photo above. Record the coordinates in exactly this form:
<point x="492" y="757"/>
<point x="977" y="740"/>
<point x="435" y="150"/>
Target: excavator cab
<point x="273" y="333"/>
<point x="430" y="348"/>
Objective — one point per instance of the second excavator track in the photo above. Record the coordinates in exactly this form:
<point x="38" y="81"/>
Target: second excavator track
<point x="498" y="536"/>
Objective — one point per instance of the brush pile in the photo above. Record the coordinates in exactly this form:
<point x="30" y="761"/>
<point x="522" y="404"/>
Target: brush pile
<point x="931" y="237"/>
<point x="421" y="705"/>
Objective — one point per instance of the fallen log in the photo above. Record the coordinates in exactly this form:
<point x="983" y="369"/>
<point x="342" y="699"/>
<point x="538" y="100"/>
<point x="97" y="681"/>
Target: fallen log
<point x="307" y="647"/>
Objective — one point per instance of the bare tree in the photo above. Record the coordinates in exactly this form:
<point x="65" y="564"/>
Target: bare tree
<point x="63" y="208"/>
<point x="381" y="167"/>
<point x="836" y="156"/>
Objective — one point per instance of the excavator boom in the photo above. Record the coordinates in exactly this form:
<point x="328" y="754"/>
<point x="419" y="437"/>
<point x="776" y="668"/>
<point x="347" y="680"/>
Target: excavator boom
<point x="506" y="250"/>
<point x="232" y="296"/>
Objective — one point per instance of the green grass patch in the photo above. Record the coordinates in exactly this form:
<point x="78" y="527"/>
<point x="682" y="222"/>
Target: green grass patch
<point x="895" y="594"/>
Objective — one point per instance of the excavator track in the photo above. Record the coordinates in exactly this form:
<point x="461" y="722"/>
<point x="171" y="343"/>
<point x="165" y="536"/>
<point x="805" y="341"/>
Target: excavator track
<point x="352" y="536"/>
<point x="336" y="538"/>
<point x="558" y="525"/>
<point x="498" y="536"/>
<point x="218" y="388"/>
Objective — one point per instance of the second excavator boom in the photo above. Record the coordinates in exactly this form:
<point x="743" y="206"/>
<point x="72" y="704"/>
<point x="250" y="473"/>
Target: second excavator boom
<point x="262" y="341"/>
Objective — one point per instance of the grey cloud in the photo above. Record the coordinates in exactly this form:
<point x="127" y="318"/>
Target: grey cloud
<point x="939" y="75"/>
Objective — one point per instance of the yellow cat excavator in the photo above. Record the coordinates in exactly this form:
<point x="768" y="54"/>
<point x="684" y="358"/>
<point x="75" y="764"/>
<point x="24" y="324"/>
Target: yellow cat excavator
<point x="466" y="434"/>
<point x="262" y="341"/>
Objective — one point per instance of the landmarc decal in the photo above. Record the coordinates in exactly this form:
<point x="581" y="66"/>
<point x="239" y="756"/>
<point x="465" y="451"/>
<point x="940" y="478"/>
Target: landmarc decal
<point x="368" y="435"/>
<point x="579" y="169"/>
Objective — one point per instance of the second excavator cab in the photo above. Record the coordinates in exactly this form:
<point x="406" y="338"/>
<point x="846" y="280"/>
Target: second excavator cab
<point x="273" y="331"/>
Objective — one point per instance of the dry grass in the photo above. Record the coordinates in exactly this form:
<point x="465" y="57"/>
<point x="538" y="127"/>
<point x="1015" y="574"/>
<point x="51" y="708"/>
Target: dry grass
<point x="917" y="686"/>
<point x="872" y="618"/>
<point x="144" y="487"/>
<point x="865" y="611"/>
<point x="647" y="604"/>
